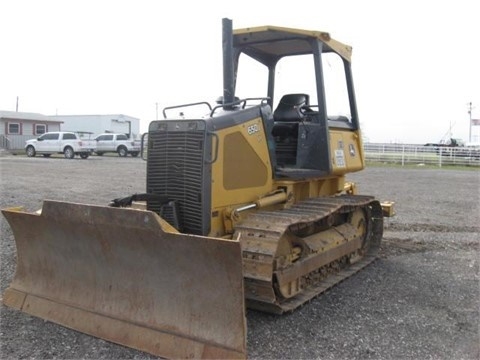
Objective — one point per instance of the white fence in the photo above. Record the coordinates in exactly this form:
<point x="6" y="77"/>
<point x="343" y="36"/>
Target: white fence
<point x="405" y="154"/>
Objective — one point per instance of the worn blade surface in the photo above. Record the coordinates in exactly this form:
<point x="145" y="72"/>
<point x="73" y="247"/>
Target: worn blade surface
<point x="116" y="274"/>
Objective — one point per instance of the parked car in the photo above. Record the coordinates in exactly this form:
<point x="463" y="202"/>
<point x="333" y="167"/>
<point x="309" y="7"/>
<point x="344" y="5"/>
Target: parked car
<point x="60" y="142"/>
<point x="116" y="143"/>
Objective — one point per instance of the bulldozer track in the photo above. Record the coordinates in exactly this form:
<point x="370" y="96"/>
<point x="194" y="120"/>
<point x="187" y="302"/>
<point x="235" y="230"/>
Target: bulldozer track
<point x="262" y="232"/>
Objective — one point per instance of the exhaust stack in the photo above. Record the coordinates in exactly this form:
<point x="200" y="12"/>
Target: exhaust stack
<point x="228" y="70"/>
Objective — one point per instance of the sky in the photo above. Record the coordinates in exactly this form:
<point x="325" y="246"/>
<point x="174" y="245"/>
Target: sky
<point x="415" y="63"/>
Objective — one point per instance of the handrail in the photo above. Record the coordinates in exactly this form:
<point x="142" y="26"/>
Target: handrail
<point x="238" y="102"/>
<point x="185" y="105"/>
<point x="4" y="142"/>
<point x="142" y="145"/>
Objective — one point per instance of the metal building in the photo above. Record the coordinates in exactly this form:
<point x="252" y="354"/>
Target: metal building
<point x="98" y="124"/>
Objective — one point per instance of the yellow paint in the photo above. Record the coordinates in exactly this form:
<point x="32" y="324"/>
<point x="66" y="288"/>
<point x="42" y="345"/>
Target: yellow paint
<point x="346" y="151"/>
<point x="239" y="176"/>
<point x="242" y="173"/>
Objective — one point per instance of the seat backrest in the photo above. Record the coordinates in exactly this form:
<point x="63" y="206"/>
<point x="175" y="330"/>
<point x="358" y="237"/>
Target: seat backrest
<point x="288" y="108"/>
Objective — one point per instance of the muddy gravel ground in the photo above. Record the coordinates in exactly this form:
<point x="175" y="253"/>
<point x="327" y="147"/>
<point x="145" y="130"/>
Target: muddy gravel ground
<point x="419" y="300"/>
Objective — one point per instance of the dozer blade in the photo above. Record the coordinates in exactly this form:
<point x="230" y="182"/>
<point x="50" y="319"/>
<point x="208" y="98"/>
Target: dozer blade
<point x="116" y="274"/>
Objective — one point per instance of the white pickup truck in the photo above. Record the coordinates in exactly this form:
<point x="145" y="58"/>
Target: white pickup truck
<point x="117" y="143"/>
<point x="60" y="142"/>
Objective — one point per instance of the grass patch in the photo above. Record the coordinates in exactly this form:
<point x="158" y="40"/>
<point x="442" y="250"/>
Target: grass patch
<point x="421" y="166"/>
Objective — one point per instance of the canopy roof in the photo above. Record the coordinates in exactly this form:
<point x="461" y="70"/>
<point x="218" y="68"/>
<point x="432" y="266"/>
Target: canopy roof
<point x="272" y="42"/>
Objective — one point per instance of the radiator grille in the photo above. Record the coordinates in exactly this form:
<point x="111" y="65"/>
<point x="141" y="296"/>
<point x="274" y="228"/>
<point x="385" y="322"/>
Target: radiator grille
<point x="175" y="170"/>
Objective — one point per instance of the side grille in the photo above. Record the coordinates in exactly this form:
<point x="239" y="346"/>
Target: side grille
<point x="175" y="169"/>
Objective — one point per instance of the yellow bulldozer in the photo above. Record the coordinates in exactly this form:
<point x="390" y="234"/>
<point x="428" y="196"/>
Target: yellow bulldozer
<point x="246" y="205"/>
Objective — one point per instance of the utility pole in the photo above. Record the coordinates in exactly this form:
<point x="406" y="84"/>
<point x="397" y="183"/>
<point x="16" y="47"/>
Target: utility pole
<point x="470" y="107"/>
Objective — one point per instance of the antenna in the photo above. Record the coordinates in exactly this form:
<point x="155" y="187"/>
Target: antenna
<point x="449" y="134"/>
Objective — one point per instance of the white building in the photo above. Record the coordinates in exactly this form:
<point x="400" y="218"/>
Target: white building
<point x="98" y="124"/>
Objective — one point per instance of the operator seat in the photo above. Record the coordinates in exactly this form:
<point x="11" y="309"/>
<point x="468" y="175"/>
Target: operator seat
<point x="290" y="106"/>
<point x="287" y="117"/>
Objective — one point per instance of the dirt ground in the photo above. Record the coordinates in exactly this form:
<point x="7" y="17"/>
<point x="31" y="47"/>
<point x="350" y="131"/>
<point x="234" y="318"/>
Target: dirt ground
<point x="419" y="300"/>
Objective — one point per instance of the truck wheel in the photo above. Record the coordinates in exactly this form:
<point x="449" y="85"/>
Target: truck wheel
<point x="84" y="155"/>
<point x="134" y="154"/>
<point x="122" y="151"/>
<point x="68" y="153"/>
<point x="31" y="151"/>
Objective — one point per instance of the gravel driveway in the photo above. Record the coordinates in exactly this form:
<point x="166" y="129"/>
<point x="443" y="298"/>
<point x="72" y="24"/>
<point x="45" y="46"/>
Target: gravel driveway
<point x="419" y="300"/>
